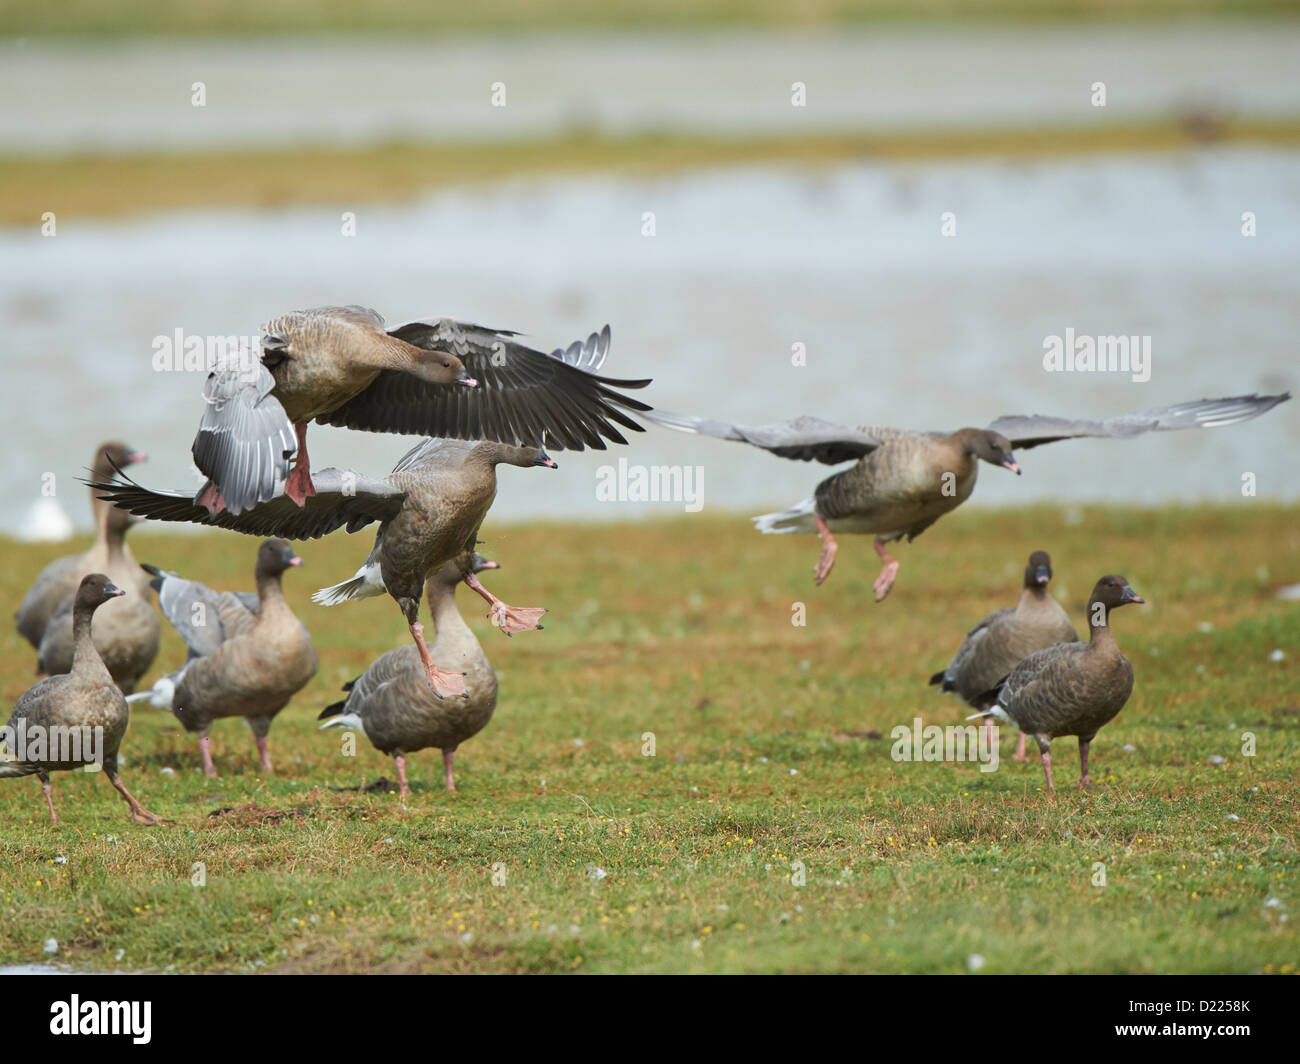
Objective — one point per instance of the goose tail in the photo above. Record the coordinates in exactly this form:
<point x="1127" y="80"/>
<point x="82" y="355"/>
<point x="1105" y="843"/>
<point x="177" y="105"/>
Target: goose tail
<point x="13" y="769"/>
<point x="346" y="721"/>
<point x="801" y="517"/>
<point x="162" y="695"/>
<point x="367" y="582"/>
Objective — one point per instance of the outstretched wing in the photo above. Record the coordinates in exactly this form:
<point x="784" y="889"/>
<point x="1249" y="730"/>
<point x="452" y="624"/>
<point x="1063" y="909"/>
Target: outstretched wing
<point x="803" y="438"/>
<point x="245" y="439"/>
<point x="343" y="498"/>
<point x="524" y="397"/>
<point x="204" y="618"/>
<point x="1032" y="430"/>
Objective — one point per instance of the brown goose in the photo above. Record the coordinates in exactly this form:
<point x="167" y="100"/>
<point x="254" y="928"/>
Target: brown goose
<point x="391" y="702"/>
<point x="904" y="481"/>
<point x="70" y="721"/>
<point x="344" y="366"/>
<point x="430" y="508"/>
<point x="58" y="581"/>
<point x="246" y="660"/>
<point x="1071" y="688"/>
<point x="1006" y="637"/>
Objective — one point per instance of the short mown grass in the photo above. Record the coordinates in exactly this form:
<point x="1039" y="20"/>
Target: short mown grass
<point x="772" y="763"/>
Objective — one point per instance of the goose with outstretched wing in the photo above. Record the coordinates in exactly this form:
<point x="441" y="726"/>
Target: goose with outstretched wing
<point x="903" y="481"/>
<point x="431" y="377"/>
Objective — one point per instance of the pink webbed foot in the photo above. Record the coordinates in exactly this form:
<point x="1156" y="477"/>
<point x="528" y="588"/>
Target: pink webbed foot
<point x="298" y="486"/>
<point x="210" y="499"/>
<point x="829" y="549"/>
<point x="512" y="619"/>
<point x="888" y="574"/>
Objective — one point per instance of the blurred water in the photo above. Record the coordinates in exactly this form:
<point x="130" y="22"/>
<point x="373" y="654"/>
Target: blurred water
<point x="901" y="324"/>
<point x="60" y="96"/>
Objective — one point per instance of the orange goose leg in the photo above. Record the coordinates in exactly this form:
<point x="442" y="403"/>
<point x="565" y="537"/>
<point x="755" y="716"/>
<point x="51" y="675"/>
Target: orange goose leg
<point x="829" y="549"/>
<point x="443" y="682"/>
<point x="403" y="788"/>
<point x="262" y="752"/>
<point x="888" y="574"/>
<point x="205" y="752"/>
<point x="447" y="755"/>
<point x="510" y="619"/>
<point x="1047" y="769"/>
<point x="47" y="788"/>
<point x="299" y="486"/>
<point x="1084" y="781"/>
<point x="139" y="814"/>
<point x="1019" y="755"/>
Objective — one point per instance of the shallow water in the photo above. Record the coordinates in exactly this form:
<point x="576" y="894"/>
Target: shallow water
<point x="901" y="325"/>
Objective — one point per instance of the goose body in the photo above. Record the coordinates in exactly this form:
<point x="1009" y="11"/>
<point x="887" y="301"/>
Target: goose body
<point x="1072" y="688"/>
<point x="81" y="715"/>
<point x="244" y="662"/>
<point x="392" y="703"/>
<point x="903" y="481"/>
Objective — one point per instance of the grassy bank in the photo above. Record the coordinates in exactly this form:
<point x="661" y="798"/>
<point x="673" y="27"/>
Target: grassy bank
<point x="772" y="747"/>
<point x="99" y="18"/>
<point x="94" y="186"/>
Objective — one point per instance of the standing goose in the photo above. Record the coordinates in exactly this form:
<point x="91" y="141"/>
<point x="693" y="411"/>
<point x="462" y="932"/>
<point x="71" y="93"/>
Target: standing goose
<point x="391" y="702"/>
<point x="430" y="508"/>
<point x="1006" y="637"/>
<point x="1071" y="688"/>
<point x="435" y="377"/>
<point x="70" y="721"/>
<point x="245" y="660"/>
<point x="59" y="580"/>
<point x="903" y="481"/>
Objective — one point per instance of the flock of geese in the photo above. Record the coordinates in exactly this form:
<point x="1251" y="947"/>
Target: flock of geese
<point x="482" y="399"/>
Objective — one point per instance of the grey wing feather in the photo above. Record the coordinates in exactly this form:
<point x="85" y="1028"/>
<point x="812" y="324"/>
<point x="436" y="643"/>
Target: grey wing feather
<point x="803" y="438"/>
<point x="202" y="617"/>
<point x="435" y="451"/>
<point x="1032" y="430"/>
<point x="524" y="396"/>
<point x="343" y="498"/>
<point x="245" y="439"/>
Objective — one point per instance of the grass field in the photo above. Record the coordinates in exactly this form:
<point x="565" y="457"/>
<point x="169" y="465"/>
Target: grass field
<point x="772" y="747"/>
<point x="128" y="18"/>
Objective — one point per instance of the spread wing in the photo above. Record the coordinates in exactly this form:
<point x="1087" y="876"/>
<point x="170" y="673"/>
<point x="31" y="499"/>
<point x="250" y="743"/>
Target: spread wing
<point x="523" y="397"/>
<point x="1033" y="430"/>
<point x="245" y="439"/>
<point x="803" y="438"/>
<point x="202" y="617"/>
<point x="343" y="499"/>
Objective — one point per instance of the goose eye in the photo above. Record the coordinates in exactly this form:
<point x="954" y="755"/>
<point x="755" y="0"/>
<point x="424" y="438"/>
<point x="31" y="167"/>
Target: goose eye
<point x="445" y="365"/>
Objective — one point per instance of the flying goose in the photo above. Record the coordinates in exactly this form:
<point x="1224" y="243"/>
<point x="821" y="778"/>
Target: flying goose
<point x="1006" y="637"/>
<point x="78" y="718"/>
<point x="247" y="658"/>
<point x="1071" y="688"/>
<point x="391" y="702"/>
<point x="59" y="580"/>
<point x="433" y="377"/>
<point x="429" y="507"/>
<point x="903" y="481"/>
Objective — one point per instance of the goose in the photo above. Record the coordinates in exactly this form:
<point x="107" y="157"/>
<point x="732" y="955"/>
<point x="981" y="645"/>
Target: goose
<point x="1071" y="688"/>
<point x="59" y="580"/>
<point x="79" y="718"/>
<point x="433" y="377"/>
<point x="903" y="481"/>
<point x="430" y="508"/>
<point x="391" y="703"/>
<point x="1006" y="637"/>
<point x="247" y="658"/>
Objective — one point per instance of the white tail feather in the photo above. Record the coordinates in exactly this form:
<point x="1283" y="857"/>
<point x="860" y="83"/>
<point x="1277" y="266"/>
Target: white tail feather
<point x="369" y="581"/>
<point x="160" y="695"/>
<point x="801" y="517"/>
<point x="992" y="711"/>
<point x="349" y="721"/>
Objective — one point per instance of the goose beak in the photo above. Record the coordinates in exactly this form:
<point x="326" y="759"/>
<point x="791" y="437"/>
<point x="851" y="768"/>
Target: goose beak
<point x="1132" y="596"/>
<point x="113" y="591"/>
<point x="136" y="456"/>
<point x="1041" y="576"/>
<point x="544" y="459"/>
<point x="1010" y="464"/>
<point x="466" y="379"/>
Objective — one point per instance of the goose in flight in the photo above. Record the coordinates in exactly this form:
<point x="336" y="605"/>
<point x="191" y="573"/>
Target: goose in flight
<point x="434" y="377"/>
<point x="903" y="481"/>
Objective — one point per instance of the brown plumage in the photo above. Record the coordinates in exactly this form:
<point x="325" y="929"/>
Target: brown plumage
<point x="1006" y="637"/>
<point x="392" y="703"/>
<point x="344" y="366"/>
<point x="1072" y="688"/>
<point x="245" y="662"/>
<point x="904" y="481"/>
<point x="79" y="718"/>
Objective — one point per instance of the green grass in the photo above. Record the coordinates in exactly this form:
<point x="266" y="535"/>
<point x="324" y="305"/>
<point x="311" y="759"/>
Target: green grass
<point x="765" y="756"/>
<point x="77" y="187"/>
<point x="129" y="18"/>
